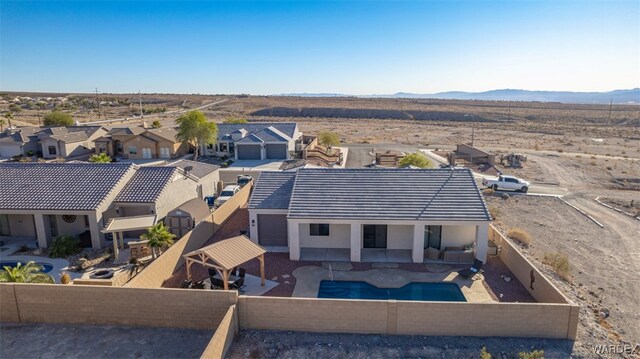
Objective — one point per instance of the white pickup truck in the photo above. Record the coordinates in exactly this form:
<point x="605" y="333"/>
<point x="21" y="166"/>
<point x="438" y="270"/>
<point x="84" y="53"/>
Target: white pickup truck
<point x="507" y="182"/>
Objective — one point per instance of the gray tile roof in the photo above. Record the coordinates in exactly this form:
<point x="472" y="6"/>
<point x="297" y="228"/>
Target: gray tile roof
<point x="146" y="185"/>
<point x="58" y="186"/>
<point x="198" y="169"/>
<point x="392" y="194"/>
<point x="272" y="190"/>
<point x="71" y="137"/>
<point x="269" y="134"/>
<point x="167" y="133"/>
<point x="224" y="129"/>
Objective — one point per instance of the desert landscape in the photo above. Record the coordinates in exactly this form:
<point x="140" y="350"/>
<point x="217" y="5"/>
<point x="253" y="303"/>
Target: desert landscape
<point x="579" y="152"/>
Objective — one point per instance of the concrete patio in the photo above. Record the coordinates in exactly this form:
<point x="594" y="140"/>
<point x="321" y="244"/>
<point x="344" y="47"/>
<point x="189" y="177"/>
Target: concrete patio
<point x="308" y="280"/>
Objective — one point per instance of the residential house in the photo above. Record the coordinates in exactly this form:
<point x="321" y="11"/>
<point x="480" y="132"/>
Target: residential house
<point x="371" y="214"/>
<point x="137" y="142"/>
<point x="255" y="141"/>
<point x="19" y="141"/>
<point x="208" y="175"/>
<point x="69" y="141"/>
<point x="44" y="200"/>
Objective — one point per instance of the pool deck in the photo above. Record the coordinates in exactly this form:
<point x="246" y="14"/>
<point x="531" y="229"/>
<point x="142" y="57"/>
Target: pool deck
<point x="308" y="280"/>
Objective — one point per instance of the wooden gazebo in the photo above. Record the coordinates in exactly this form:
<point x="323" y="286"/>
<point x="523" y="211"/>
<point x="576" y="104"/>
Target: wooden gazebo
<point x="225" y="255"/>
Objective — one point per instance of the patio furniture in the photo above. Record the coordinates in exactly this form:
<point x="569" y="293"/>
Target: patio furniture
<point x="432" y="253"/>
<point x="185" y="284"/>
<point x="457" y="254"/>
<point x="475" y="269"/>
<point x="242" y="272"/>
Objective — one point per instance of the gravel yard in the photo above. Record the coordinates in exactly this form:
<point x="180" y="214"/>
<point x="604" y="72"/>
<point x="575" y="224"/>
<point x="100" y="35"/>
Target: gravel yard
<point x="275" y="344"/>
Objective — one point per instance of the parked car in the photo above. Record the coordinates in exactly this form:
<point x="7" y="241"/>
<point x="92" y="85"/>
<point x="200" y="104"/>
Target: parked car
<point x="227" y="193"/>
<point x="507" y="182"/>
<point x="243" y="180"/>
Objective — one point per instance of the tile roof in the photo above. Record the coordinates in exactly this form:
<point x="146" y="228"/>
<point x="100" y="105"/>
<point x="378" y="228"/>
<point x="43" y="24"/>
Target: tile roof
<point x="272" y="190"/>
<point x="71" y="137"/>
<point x="269" y="134"/>
<point x="198" y="169"/>
<point x="224" y="129"/>
<point x="167" y="133"/>
<point x="146" y="185"/>
<point x="58" y="186"/>
<point x="400" y="194"/>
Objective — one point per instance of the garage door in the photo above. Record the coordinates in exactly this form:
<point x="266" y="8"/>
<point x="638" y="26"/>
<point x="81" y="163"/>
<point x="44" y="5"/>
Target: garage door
<point x="272" y="229"/>
<point x="277" y="152"/>
<point x="248" y="152"/>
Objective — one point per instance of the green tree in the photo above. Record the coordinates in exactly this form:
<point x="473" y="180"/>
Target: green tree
<point x="2" y="123"/>
<point x="415" y="159"/>
<point x="101" y="158"/>
<point x="156" y="124"/>
<point x="328" y="139"/>
<point x="236" y="120"/>
<point x="194" y="128"/>
<point x="9" y="116"/>
<point x="29" y="273"/>
<point x="58" y="118"/>
<point x="158" y="237"/>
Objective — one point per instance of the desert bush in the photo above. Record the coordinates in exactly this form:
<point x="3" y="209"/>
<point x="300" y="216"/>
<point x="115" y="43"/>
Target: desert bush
<point x="559" y="263"/>
<point x="65" y="278"/>
<point x="64" y="246"/>
<point x="484" y="354"/>
<point x="494" y="212"/>
<point x="505" y="196"/>
<point x="488" y="191"/>
<point x="521" y="236"/>
<point x="535" y="354"/>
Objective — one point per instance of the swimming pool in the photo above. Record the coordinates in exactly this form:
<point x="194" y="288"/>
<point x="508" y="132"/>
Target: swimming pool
<point x="46" y="267"/>
<point x="442" y="292"/>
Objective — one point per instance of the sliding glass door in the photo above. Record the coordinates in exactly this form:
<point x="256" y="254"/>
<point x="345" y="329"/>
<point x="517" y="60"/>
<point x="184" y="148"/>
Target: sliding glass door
<point x="374" y="235"/>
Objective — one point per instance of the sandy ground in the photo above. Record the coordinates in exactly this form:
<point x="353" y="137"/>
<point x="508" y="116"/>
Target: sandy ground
<point x="274" y="344"/>
<point x="92" y="341"/>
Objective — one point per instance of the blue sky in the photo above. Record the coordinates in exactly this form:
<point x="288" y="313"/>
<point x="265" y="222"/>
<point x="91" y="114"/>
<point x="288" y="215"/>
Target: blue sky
<point x="354" y="47"/>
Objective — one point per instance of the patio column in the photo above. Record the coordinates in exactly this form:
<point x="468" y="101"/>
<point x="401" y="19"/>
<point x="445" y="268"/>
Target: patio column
<point x="417" y="253"/>
<point x="356" y="242"/>
<point x="41" y="234"/>
<point x="482" y="241"/>
<point x="294" y="240"/>
<point x="96" y="243"/>
<point x="261" y="259"/>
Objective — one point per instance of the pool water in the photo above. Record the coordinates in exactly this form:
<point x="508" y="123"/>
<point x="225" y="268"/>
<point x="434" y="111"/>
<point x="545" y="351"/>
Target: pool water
<point x="46" y="267"/>
<point x="442" y="292"/>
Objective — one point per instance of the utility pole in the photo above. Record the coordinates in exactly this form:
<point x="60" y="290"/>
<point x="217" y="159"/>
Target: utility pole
<point x="98" y="101"/>
<point x="140" y="101"/>
<point x="473" y="130"/>
<point x="610" y="108"/>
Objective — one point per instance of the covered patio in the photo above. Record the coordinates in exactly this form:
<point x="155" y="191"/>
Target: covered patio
<point x="226" y="255"/>
<point x="117" y="226"/>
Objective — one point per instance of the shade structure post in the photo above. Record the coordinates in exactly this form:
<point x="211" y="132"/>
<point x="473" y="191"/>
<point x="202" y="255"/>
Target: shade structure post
<point x="116" y="253"/>
<point x="262" y="280"/>
<point x="225" y="278"/>
<point x="188" y="269"/>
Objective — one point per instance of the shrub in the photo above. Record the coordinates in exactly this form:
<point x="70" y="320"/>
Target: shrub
<point x="65" y="278"/>
<point x="484" y="354"/>
<point x="494" y="212"/>
<point x="58" y="118"/>
<point x="488" y="191"/>
<point x="521" y="236"/>
<point x="536" y="354"/>
<point x="559" y="263"/>
<point x="224" y="165"/>
<point x="64" y="246"/>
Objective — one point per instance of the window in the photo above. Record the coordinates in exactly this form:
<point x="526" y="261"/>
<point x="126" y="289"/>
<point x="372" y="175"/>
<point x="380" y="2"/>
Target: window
<point x="231" y="148"/>
<point x="164" y="152"/>
<point x="321" y="229"/>
<point x="223" y="147"/>
<point x="512" y="180"/>
<point x="374" y="236"/>
<point x="133" y="150"/>
<point x="53" y="150"/>
<point x="432" y="236"/>
<point x="4" y="225"/>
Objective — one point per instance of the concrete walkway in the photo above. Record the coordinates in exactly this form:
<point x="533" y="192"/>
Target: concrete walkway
<point x="308" y="281"/>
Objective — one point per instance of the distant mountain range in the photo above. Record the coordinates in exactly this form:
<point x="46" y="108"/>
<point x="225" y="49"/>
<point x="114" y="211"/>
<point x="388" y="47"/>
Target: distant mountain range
<point x="631" y="96"/>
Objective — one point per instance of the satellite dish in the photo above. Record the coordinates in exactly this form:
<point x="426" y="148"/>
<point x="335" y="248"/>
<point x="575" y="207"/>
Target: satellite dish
<point x="188" y="169"/>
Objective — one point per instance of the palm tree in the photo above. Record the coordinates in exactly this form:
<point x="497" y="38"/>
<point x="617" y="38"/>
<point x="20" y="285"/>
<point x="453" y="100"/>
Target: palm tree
<point x="158" y="237"/>
<point x="29" y="273"/>
<point x="100" y="158"/>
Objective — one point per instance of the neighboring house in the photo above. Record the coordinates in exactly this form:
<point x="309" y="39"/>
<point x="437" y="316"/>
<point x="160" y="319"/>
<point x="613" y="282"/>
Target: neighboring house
<point x="44" y="200"/>
<point x="368" y="214"/>
<point x="19" y="141"/>
<point x="69" y="141"/>
<point x="255" y="141"/>
<point x="208" y="176"/>
<point x="137" y="142"/>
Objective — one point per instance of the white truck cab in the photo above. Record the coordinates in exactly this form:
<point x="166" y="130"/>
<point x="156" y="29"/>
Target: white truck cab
<point x="507" y="182"/>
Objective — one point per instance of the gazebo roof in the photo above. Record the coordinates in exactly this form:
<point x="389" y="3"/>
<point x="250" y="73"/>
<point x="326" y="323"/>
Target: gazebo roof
<point x="228" y="253"/>
<point x="123" y="224"/>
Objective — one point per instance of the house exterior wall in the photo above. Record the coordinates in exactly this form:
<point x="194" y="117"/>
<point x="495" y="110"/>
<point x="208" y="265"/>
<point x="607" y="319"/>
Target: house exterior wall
<point x="457" y="236"/>
<point x="399" y="237"/>
<point x="22" y="225"/>
<point x="210" y="183"/>
<point x="339" y="237"/>
<point x="139" y="143"/>
<point x="177" y="192"/>
<point x="46" y="142"/>
<point x="70" y="229"/>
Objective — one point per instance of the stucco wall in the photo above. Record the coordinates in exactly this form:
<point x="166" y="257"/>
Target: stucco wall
<point x="223" y="337"/>
<point x="70" y="229"/>
<point x="139" y="143"/>
<point x="22" y="225"/>
<point x="178" y="191"/>
<point x="339" y="237"/>
<point x="46" y="142"/>
<point x="456" y="236"/>
<point x="399" y="237"/>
